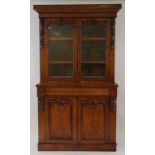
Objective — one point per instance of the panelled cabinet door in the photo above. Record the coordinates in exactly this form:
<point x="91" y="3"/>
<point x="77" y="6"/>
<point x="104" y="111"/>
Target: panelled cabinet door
<point x="93" y="120"/>
<point x="60" y="120"/>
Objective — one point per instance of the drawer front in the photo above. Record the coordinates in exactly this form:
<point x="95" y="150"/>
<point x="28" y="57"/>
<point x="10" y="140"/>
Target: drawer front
<point x="60" y="116"/>
<point x="77" y="91"/>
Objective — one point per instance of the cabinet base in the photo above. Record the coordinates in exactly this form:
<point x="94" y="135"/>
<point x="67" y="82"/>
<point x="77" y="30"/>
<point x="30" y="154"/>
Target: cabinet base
<point x="76" y="147"/>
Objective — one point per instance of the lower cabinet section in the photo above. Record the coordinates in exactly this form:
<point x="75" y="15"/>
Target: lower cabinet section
<point x="77" y="123"/>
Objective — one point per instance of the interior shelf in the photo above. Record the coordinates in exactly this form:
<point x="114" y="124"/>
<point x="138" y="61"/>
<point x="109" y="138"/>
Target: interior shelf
<point x="59" y="77"/>
<point x="60" y="62"/>
<point x="92" y="77"/>
<point x="93" y="62"/>
<point x="92" y="38"/>
<point x="60" y="38"/>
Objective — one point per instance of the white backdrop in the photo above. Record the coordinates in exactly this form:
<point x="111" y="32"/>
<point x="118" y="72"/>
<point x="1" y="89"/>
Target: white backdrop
<point x="119" y="75"/>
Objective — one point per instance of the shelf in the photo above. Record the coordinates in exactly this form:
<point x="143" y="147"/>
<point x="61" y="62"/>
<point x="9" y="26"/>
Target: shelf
<point x="92" y="38"/>
<point x="97" y="77"/>
<point x="60" y="62"/>
<point x="93" y="62"/>
<point x="60" y="38"/>
<point x="60" y="77"/>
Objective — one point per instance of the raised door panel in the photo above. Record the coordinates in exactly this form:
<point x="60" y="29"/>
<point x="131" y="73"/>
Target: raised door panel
<point x="60" y="120"/>
<point x="93" y="120"/>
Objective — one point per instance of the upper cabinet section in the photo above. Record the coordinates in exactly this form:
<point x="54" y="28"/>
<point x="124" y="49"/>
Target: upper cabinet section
<point x="77" y="43"/>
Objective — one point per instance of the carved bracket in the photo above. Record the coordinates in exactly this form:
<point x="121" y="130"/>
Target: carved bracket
<point x="41" y="27"/>
<point x="112" y="21"/>
<point x="41" y="104"/>
<point x="113" y="104"/>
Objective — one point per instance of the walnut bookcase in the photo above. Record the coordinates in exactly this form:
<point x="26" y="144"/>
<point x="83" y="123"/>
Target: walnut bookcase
<point x="77" y="93"/>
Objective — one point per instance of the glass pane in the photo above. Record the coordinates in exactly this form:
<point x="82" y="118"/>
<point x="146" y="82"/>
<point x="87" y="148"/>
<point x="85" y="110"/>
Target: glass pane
<point x="60" y="30"/>
<point x="60" y="50"/>
<point x="93" y="30"/>
<point x="93" y="50"/>
<point x="92" y="70"/>
<point x="61" y="70"/>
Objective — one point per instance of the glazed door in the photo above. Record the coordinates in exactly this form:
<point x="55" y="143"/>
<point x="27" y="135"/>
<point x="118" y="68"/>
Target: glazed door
<point x="60" y="116"/>
<point x="60" y="44"/>
<point x="93" y="120"/>
<point x="93" y="50"/>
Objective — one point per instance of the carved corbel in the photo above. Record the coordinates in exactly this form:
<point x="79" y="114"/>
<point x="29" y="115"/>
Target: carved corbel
<point x="112" y="21"/>
<point x="41" y="103"/>
<point x="113" y="104"/>
<point x="41" y="27"/>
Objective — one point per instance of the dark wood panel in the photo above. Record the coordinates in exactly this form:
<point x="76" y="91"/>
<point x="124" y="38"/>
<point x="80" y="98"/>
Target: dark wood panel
<point x="60" y="120"/>
<point x="93" y="120"/>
